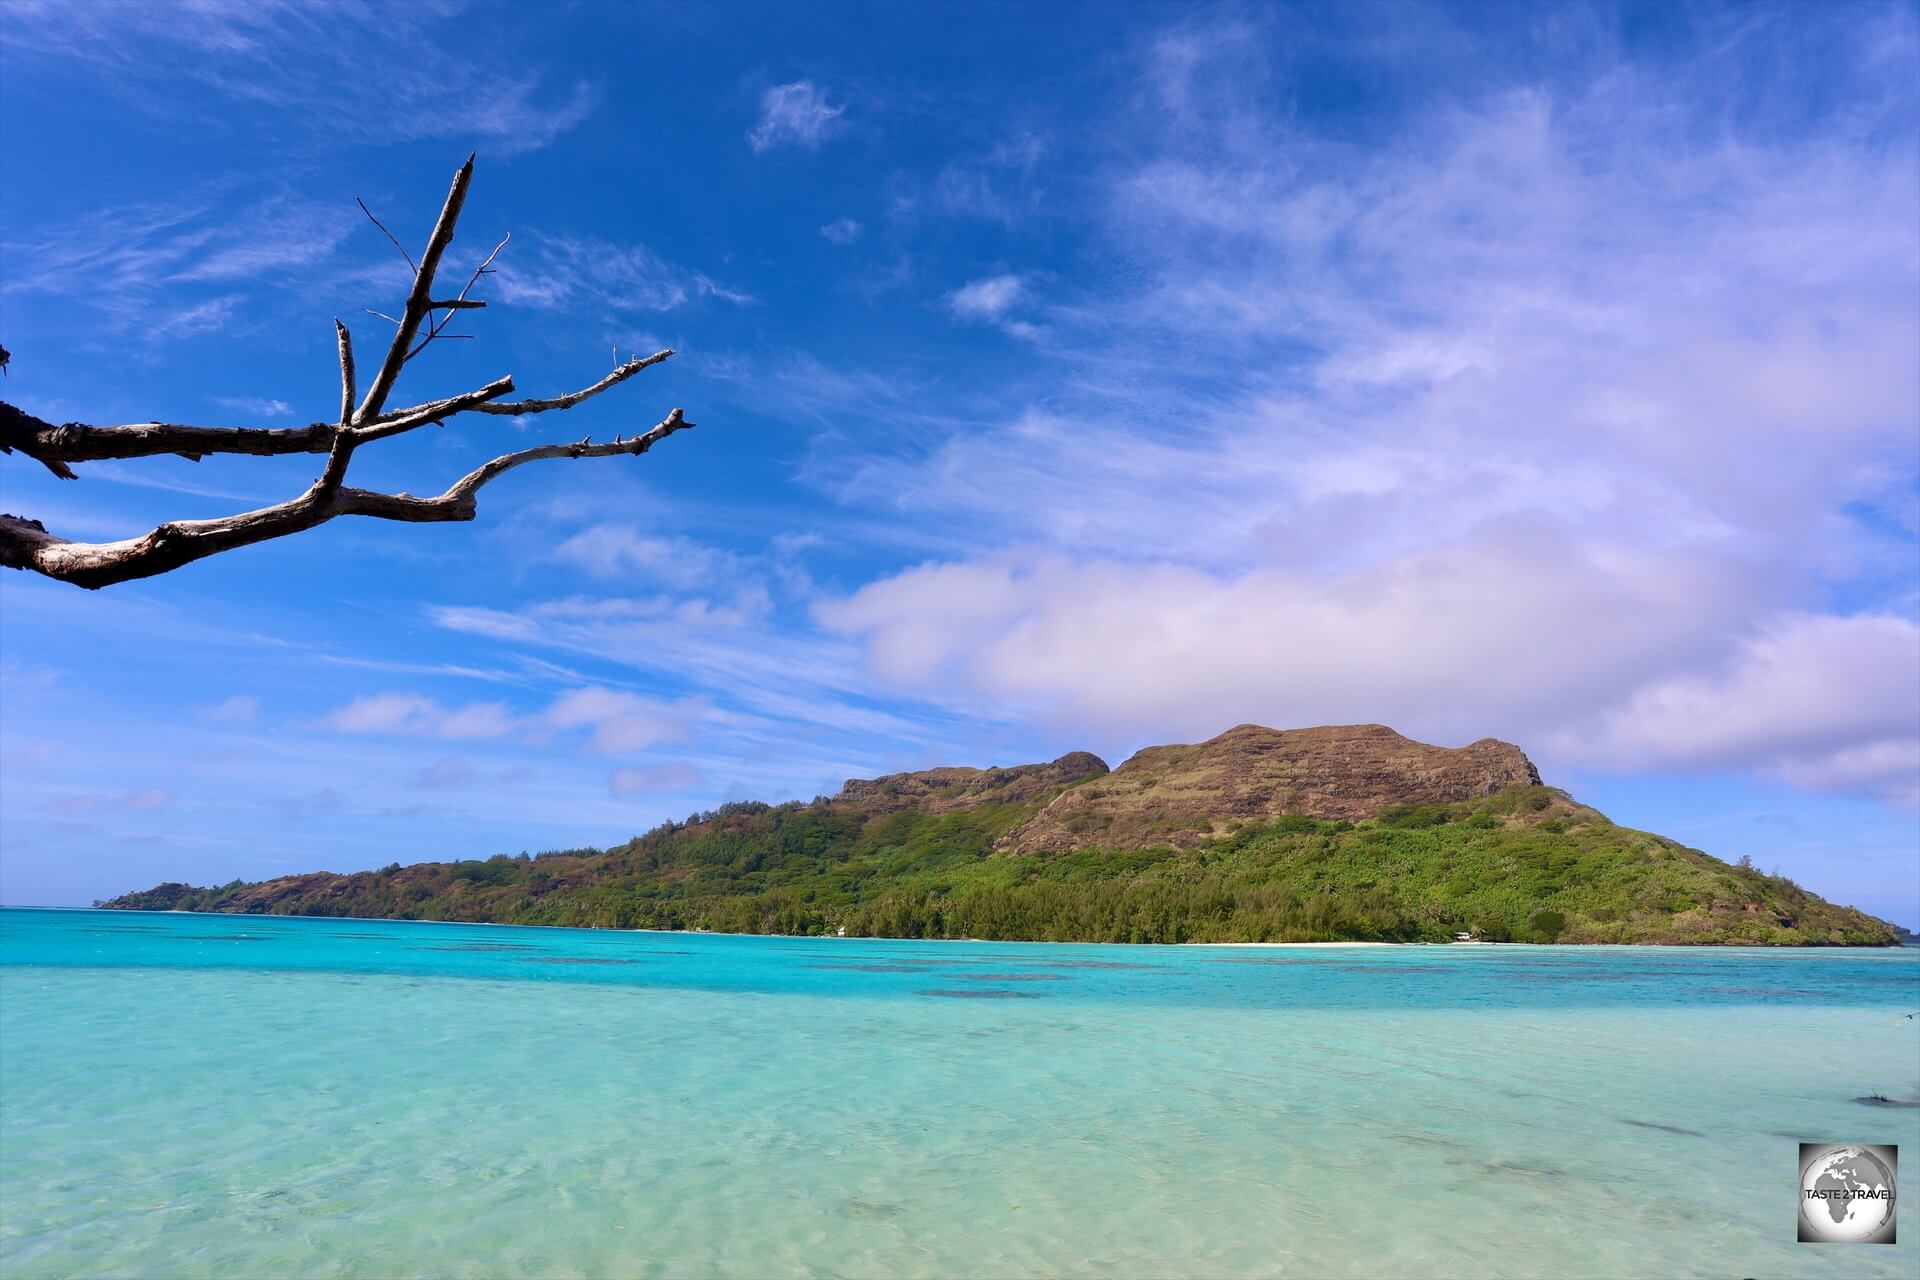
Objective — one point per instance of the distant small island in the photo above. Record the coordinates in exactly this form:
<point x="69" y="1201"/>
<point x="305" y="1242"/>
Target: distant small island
<point x="1340" y="833"/>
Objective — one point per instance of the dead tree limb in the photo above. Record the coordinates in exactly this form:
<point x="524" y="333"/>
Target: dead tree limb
<point x="26" y="544"/>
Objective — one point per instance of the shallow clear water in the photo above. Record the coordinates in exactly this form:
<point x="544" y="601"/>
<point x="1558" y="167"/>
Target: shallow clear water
<point x="190" y="1095"/>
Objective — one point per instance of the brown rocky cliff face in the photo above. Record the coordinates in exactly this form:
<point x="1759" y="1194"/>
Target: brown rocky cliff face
<point x="1180" y="794"/>
<point x="943" y="790"/>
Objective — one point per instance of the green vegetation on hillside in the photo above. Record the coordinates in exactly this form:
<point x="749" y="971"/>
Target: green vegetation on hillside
<point x="1522" y="865"/>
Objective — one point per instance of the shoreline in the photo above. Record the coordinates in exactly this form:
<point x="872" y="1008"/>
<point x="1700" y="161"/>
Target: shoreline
<point x="1352" y="943"/>
<point x="716" y="933"/>
<point x="1010" y="942"/>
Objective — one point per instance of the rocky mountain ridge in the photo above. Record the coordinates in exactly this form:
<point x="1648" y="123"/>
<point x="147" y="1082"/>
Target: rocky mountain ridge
<point x="1184" y="793"/>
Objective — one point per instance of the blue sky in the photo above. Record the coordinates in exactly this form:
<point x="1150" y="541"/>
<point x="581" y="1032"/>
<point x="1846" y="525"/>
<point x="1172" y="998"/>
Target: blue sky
<point x="1068" y="377"/>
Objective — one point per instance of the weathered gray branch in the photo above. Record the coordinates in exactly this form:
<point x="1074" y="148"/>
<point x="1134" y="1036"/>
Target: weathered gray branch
<point x="26" y="543"/>
<point x="346" y="371"/>
<point x="432" y="411"/>
<point x="417" y="297"/>
<point x="573" y="398"/>
<point x="55" y="446"/>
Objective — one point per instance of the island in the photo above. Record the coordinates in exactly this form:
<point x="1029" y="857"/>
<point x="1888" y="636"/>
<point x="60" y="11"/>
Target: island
<point x="1337" y="833"/>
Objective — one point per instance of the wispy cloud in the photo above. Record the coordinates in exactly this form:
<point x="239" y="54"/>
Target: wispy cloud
<point x="168" y="269"/>
<point x="149" y="800"/>
<point x="614" y="721"/>
<point x="708" y="288"/>
<point x="210" y="316"/>
<point x="669" y="777"/>
<point x="1002" y="184"/>
<point x="750" y="666"/>
<point x="987" y="299"/>
<point x="256" y="406"/>
<point x="842" y="231"/>
<point x="239" y="709"/>
<point x="993" y="300"/>
<point x="561" y="272"/>
<point x="448" y="773"/>
<point x="796" y="114"/>
<point x="621" y="722"/>
<point x="623" y="551"/>
<point x="1818" y="700"/>
<point x="412" y="715"/>
<point x="357" y="72"/>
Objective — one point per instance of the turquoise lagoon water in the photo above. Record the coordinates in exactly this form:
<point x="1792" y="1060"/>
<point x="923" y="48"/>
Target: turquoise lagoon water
<point x="187" y="1095"/>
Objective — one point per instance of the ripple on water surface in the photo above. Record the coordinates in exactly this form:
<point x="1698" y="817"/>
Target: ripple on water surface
<point x="437" y="1100"/>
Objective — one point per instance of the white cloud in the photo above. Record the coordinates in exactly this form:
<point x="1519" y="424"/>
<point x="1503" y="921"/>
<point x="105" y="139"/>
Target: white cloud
<point x="1824" y="701"/>
<point x="1889" y="769"/>
<point x="257" y="406"/>
<point x="616" y="722"/>
<point x="449" y="773"/>
<point x="563" y="272"/>
<point x="26" y="678"/>
<point x="671" y="777"/>
<point x="623" y="551"/>
<point x="842" y="231"/>
<point x="151" y="800"/>
<point x="268" y="239"/>
<point x="343" y="72"/>
<point x="569" y="271"/>
<point x="210" y="316"/>
<point x="714" y="289"/>
<point x="411" y="715"/>
<point x="1504" y="633"/>
<point x="239" y="709"/>
<point x="796" y="114"/>
<point x="1003" y="184"/>
<point x="763" y="673"/>
<point x="621" y="722"/>
<point x="141" y="259"/>
<point x="987" y="299"/>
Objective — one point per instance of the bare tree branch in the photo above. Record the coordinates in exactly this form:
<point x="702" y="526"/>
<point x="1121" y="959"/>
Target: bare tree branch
<point x="22" y="431"/>
<point x="388" y="234"/>
<point x="55" y="446"/>
<point x="573" y="398"/>
<point x="346" y="371"/>
<point x="436" y="326"/>
<point x="418" y="297"/>
<point x="433" y="411"/>
<point x="469" y="484"/>
<point x="75" y="442"/>
<point x="26" y="543"/>
<point x="484" y="269"/>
